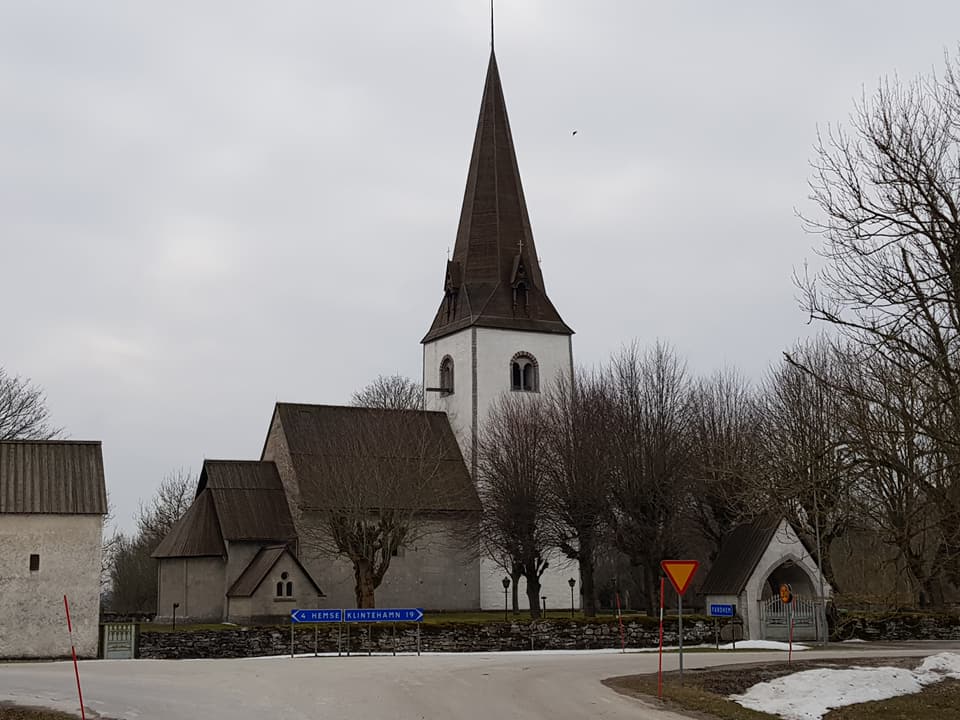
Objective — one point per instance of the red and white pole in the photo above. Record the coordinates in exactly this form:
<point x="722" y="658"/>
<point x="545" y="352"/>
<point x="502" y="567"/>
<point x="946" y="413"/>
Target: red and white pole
<point x="73" y="651"/>
<point x="623" y="644"/>
<point x="660" y="666"/>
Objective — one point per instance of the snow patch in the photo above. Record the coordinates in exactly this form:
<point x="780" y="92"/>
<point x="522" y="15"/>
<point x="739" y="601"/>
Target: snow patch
<point x="810" y="694"/>
<point x="762" y="645"/>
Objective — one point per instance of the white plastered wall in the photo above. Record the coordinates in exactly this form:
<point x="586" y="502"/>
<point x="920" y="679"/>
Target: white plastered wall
<point x="33" y="623"/>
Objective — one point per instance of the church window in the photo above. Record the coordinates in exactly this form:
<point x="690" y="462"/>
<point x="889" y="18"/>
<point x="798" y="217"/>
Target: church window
<point x="34" y="563"/>
<point x="289" y="588"/>
<point x="524" y="373"/>
<point x="279" y="589"/>
<point x="446" y="376"/>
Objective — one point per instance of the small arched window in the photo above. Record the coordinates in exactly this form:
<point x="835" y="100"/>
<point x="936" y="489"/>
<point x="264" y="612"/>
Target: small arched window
<point x="446" y="376"/>
<point x="524" y="373"/>
<point x="279" y="589"/>
<point x="289" y="588"/>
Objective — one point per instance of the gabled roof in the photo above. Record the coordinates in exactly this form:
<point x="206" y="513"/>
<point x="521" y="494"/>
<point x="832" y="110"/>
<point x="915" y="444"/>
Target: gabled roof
<point x="236" y="501"/>
<point x="250" y="500"/>
<point x="254" y="574"/>
<point x="494" y="239"/>
<point x="52" y="476"/>
<point x="738" y="557"/>
<point x="374" y="458"/>
<point x="196" y="534"/>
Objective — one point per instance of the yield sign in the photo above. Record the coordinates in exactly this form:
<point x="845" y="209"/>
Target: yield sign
<point x="680" y="573"/>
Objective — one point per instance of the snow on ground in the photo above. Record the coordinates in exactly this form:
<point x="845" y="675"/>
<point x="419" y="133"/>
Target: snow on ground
<point x="808" y="695"/>
<point x="763" y="645"/>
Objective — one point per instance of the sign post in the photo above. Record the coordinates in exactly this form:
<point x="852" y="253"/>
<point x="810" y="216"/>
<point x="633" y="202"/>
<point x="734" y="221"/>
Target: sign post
<point x="680" y="573"/>
<point x="786" y="597"/>
<point x="660" y="662"/>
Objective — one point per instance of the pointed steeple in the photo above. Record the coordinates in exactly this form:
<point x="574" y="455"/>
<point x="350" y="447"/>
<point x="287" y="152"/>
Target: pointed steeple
<point x="494" y="278"/>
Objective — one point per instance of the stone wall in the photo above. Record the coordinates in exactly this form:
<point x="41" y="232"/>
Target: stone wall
<point x="897" y="626"/>
<point x="447" y="637"/>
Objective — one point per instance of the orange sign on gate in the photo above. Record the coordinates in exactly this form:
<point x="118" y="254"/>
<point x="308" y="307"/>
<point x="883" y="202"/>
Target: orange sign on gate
<point x="786" y="594"/>
<point x="680" y="573"/>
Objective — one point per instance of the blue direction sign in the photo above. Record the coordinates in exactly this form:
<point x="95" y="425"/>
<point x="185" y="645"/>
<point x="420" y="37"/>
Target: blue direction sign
<point x="316" y="616"/>
<point x="721" y="611"/>
<point x="384" y="615"/>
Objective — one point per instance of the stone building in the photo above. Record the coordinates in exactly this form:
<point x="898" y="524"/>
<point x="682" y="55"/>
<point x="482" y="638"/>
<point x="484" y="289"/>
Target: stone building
<point x="496" y="330"/>
<point x="251" y="547"/>
<point x="52" y="503"/>
<point x="755" y="560"/>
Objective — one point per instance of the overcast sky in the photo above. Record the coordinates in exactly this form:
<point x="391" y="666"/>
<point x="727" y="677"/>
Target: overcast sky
<point x="208" y="207"/>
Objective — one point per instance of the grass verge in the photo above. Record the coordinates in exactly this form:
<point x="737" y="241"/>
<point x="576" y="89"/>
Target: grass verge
<point x="704" y="692"/>
<point x="13" y="712"/>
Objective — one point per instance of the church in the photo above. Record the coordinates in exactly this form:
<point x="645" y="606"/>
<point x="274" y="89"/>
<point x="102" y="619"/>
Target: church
<point x="247" y="549"/>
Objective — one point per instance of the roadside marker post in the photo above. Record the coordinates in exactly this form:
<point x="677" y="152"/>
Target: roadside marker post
<point x="786" y="597"/>
<point x="623" y="644"/>
<point x="73" y="651"/>
<point x="680" y="573"/>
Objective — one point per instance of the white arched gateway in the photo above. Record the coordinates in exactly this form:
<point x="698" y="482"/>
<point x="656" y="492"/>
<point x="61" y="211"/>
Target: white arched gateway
<point x="755" y="560"/>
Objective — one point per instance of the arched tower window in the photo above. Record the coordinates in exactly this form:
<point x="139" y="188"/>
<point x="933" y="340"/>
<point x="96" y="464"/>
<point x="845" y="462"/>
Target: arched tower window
<point x="524" y="373"/>
<point x="446" y="376"/>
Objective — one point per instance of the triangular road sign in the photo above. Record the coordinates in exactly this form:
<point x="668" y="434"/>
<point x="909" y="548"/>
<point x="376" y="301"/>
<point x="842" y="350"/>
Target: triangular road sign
<point x="680" y="573"/>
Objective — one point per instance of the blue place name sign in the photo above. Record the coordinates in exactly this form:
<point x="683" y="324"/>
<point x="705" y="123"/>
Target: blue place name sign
<point x="721" y="611"/>
<point x="316" y="616"/>
<point x="372" y="615"/>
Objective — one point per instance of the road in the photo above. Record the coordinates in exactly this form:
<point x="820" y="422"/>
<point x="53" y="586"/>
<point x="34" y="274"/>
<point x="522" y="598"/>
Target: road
<point x="521" y="686"/>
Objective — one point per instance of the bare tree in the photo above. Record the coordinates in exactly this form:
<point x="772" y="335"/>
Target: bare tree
<point x="726" y="465"/>
<point x="652" y="457"/>
<point x="390" y="479"/>
<point x="133" y="573"/>
<point x="889" y="193"/>
<point x="810" y="473"/>
<point x="23" y="410"/>
<point x="512" y="483"/>
<point x="904" y="484"/>
<point x="580" y="422"/>
<point x="390" y="392"/>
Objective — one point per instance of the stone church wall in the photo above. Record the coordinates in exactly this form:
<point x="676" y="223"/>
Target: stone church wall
<point x="196" y="584"/>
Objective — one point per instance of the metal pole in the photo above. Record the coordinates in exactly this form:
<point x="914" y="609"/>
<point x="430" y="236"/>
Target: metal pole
<point x="348" y="640"/>
<point x="394" y="628"/>
<point x="571" y="602"/>
<point x="418" y="639"/>
<point x="369" y="640"/>
<point x="680" y="625"/>
<point x="340" y="639"/>
<point x="291" y="637"/>
<point x="316" y="639"/>
<point x="505" y="605"/>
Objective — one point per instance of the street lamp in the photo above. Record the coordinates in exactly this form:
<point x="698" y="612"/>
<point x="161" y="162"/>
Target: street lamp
<point x="571" y="582"/>
<point x="506" y="584"/>
<point x="175" y="606"/>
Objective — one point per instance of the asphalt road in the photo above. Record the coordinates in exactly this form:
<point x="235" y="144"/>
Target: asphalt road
<point x="521" y="686"/>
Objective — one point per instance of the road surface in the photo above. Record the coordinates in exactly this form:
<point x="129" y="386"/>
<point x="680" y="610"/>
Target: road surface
<point x="521" y="686"/>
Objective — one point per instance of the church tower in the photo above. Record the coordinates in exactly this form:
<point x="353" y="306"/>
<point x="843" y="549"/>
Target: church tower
<point x="496" y="330"/>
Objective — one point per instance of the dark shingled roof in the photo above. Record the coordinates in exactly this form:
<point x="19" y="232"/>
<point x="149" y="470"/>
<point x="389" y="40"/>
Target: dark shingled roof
<point x="494" y="252"/>
<point x="52" y="477"/>
<point x="236" y="501"/>
<point x="254" y="574"/>
<point x="366" y="457"/>
<point x="196" y="534"/>
<point x="251" y="503"/>
<point x="738" y="557"/>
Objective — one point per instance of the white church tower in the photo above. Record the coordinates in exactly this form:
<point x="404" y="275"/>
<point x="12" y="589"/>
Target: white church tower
<point x="496" y="330"/>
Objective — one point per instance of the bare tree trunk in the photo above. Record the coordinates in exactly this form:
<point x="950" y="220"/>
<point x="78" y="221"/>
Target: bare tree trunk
<point x="365" y="586"/>
<point x="515" y="576"/>
<point x="588" y="588"/>
<point x="533" y="595"/>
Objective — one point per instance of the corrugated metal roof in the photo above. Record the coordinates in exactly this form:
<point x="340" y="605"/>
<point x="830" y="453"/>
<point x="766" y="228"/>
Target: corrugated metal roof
<point x="254" y="574"/>
<point x="196" y="534"/>
<point x="738" y="557"/>
<point x="239" y="474"/>
<point x="348" y="456"/>
<point x="52" y="476"/>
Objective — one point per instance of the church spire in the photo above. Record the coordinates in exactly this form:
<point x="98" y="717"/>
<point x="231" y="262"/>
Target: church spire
<point x="494" y="278"/>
